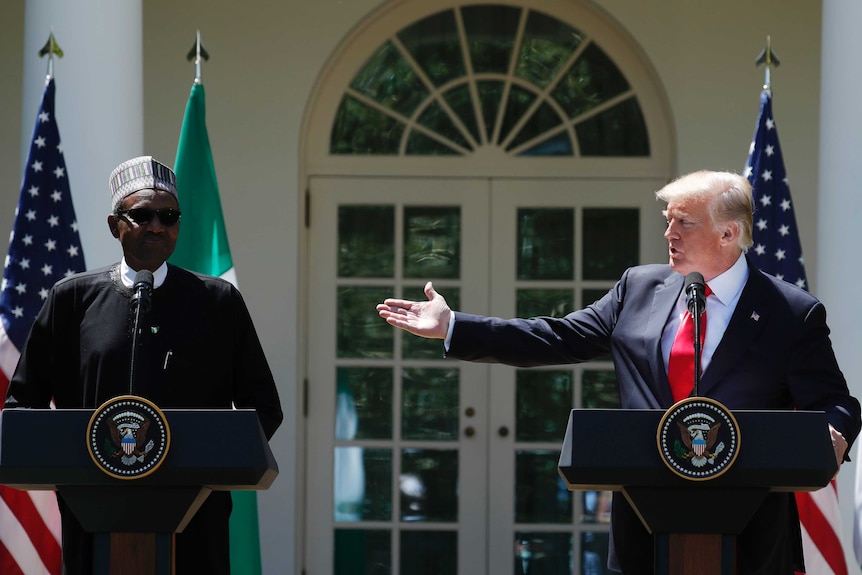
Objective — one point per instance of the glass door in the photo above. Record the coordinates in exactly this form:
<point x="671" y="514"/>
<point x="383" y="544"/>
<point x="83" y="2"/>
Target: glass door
<point x="397" y="445"/>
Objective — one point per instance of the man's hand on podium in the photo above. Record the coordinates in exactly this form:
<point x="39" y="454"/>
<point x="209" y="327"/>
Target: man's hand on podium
<point x="839" y="444"/>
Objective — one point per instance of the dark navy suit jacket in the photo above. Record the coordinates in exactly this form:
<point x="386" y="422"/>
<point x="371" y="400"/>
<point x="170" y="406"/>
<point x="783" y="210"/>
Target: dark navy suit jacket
<point x="775" y="354"/>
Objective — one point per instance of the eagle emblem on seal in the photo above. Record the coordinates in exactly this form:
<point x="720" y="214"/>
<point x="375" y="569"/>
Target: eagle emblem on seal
<point x="700" y="441"/>
<point x="128" y="432"/>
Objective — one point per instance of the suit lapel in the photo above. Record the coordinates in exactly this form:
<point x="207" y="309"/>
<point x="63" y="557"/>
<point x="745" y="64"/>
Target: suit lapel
<point x="746" y="323"/>
<point x="664" y="300"/>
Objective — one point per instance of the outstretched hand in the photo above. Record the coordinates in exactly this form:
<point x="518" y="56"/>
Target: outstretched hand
<point x="423" y="318"/>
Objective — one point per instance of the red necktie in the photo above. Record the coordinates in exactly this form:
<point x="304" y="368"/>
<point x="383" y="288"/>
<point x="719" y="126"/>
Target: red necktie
<point x="680" y="365"/>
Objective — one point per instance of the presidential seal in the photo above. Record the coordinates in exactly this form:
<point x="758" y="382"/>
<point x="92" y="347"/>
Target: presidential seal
<point x="698" y="438"/>
<point x="128" y="437"/>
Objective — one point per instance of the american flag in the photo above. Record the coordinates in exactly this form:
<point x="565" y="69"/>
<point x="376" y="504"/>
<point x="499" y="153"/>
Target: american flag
<point x="44" y="247"/>
<point x="777" y="250"/>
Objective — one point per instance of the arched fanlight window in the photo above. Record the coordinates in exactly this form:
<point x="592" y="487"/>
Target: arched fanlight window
<point x="490" y="76"/>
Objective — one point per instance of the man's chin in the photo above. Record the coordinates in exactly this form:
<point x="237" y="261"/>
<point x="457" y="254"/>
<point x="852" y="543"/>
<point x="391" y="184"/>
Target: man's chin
<point x="677" y="266"/>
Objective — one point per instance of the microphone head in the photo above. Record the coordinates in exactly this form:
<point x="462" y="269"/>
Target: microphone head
<point x="695" y="291"/>
<point x="144" y="277"/>
<point x="694" y="278"/>
<point x="140" y="300"/>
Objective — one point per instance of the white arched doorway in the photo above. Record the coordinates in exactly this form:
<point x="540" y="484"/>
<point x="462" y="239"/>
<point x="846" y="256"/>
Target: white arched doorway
<point x="509" y="152"/>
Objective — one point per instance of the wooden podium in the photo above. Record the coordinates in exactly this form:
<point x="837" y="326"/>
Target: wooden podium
<point x="617" y="450"/>
<point x="133" y="520"/>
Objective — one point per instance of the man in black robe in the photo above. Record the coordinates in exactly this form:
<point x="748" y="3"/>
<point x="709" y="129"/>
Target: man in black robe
<point x="200" y="350"/>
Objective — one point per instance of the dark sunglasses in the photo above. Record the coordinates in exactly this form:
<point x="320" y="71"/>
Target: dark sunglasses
<point x="143" y="216"/>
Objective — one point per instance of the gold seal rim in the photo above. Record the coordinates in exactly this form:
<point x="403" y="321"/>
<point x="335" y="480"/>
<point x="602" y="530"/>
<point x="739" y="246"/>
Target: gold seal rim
<point x="104" y="407"/>
<point x="720" y="407"/>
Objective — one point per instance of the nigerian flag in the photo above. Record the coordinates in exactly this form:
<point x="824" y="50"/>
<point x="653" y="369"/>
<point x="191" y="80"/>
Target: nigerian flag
<point x="202" y="246"/>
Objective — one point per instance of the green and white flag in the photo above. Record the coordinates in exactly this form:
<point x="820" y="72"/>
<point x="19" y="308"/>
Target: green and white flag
<point x="202" y="246"/>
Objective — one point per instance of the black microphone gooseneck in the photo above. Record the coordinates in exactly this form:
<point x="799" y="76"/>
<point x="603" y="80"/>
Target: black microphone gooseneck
<point x="139" y="305"/>
<point x="695" y="291"/>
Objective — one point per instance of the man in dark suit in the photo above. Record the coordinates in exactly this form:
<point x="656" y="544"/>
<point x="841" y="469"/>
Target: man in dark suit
<point x="766" y="346"/>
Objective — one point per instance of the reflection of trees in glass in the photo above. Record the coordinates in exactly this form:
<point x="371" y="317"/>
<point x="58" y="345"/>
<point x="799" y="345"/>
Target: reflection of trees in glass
<point x="417" y="95"/>
<point x="366" y="236"/>
<point x="546" y="244"/>
<point x="600" y="389"/>
<point x="359" y="331"/>
<point x="430" y="400"/>
<point x="542" y="553"/>
<point x="542" y="401"/>
<point x="541" y="496"/>
<point x="432" y="242"/>
<point x="611" y="242"/>
<point x="429" y="485"/>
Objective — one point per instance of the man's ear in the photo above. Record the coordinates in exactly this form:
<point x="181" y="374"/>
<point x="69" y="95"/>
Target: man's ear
<point x="729" y="233"/>
<point x="112" y="225"/>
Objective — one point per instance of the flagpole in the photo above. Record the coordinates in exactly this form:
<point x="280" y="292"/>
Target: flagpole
<point x="768" y="58"/>
<point x="196" y="53"/>
<point x="50" y="48"/>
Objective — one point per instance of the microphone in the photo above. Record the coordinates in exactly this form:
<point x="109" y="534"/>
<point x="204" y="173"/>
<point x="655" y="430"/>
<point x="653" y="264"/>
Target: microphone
<point x="139" y="304"/>
<point x="695" y="291"/>
<point x="143" y="288"/>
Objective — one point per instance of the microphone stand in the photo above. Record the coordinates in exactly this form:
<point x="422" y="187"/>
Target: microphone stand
<point x="140" y="302"/>
<point x="135" y="345"/>
<point x="696" y="318"/>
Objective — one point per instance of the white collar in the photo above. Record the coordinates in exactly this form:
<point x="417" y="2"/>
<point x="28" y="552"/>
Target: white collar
<point x="728" y="285"/>
<point x="127" y="274"/>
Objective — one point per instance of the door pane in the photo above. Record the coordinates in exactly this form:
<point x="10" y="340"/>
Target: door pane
<point x="600" y="389"/>
<point x="430" y="404"/>
<point x="363" y="552"/>
<point x="429" y="485"/>
<point x="594" y="551"/>
<point x="432" y="242"/>
<point x="359" y="332"/>
<point x="543" y="553"/>
<point x="541" y="401"/>
<point x="363" y="408"/>
<point x="540" y="494"/>
<point x="546" y="243"/>
<point x="429" y="552"/>
<point x="548" y="302"/>
<point x="610" y="242"/>
<point x="363" y="484"/>
<point x="365" y="241"/>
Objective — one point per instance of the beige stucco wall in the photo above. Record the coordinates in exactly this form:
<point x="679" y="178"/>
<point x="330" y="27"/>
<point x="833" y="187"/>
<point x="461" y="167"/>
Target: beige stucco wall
<point x="266" y="56"/>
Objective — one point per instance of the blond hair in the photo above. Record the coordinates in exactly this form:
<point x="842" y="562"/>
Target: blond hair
<point x="729" y="199"/>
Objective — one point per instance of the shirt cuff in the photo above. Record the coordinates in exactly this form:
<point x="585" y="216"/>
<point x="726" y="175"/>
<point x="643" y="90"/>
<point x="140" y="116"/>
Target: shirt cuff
<point x="448" y="340"/>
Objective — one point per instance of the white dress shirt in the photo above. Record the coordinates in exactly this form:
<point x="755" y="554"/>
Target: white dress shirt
<point x="726" y="289"/>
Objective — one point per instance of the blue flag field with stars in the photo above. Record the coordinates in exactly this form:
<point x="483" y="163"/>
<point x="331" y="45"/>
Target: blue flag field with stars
<point x="44" y="245"/>
<point x="777" y="249"/>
